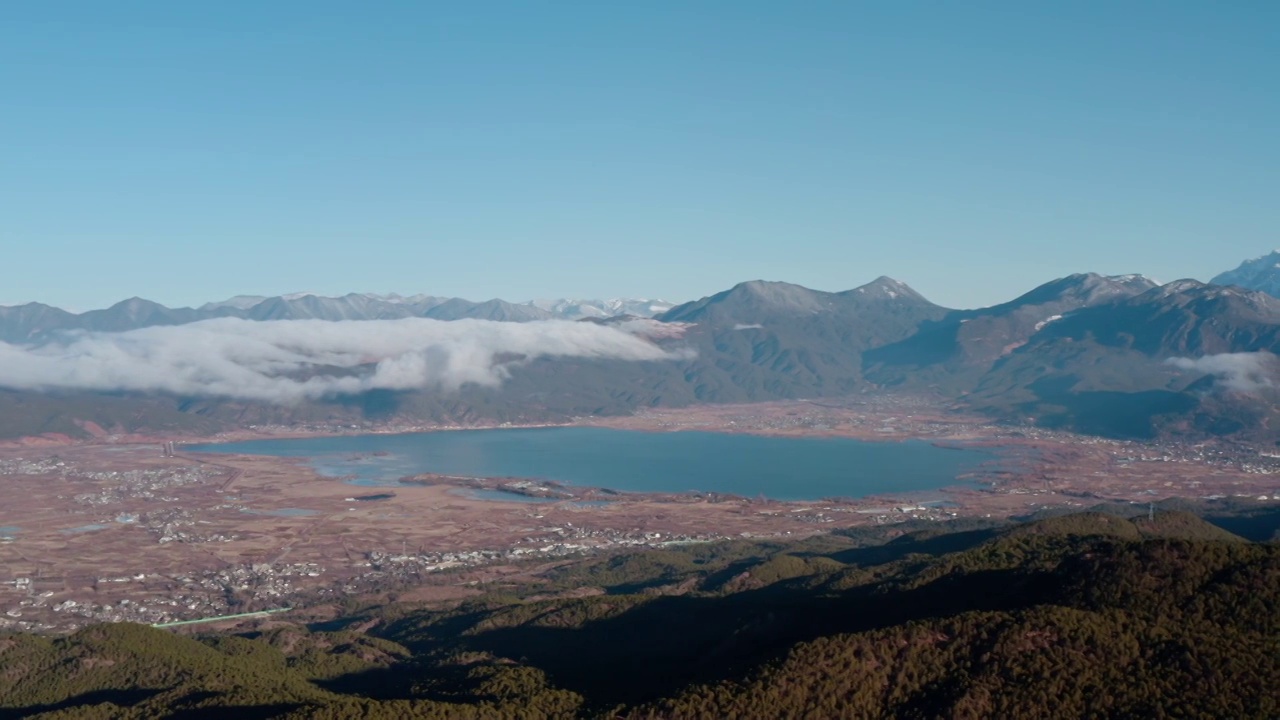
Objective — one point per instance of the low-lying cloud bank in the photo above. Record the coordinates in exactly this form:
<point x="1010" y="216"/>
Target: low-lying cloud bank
<point x="1245" y="372"/>
<point x="287" y="361"/>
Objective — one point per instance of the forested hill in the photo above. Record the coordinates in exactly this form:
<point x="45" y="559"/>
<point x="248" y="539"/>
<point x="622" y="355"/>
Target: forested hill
<point x="1088" y="615"/>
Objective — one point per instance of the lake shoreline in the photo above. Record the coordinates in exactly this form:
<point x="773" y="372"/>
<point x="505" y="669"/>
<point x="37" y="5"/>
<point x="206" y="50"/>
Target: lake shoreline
<point x="698" y="463"/>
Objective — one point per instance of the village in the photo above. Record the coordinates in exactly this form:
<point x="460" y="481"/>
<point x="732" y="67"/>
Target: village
<point x="146" y="532"/>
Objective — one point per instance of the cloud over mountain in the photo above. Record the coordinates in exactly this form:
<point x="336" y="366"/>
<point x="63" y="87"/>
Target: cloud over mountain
<point x="1244" y="372"/>
<point x="292" y="360"/>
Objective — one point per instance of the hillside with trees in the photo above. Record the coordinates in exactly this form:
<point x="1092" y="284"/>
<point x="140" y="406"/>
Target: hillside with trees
<point x="1085" y="615"/>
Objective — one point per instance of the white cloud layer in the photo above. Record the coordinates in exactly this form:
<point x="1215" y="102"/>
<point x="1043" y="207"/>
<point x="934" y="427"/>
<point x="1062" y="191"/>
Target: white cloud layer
<point x="287" y="361"/>
<point x="1241" y="372"/>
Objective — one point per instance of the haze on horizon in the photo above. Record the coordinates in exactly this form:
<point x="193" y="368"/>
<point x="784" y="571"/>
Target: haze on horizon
<point x="186" y="154"/>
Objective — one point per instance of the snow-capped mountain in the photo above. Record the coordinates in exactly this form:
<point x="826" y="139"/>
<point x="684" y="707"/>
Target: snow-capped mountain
<point x="578" y="309"/>
<point x="25" y="323"/>
<point x="1261" y="274"/>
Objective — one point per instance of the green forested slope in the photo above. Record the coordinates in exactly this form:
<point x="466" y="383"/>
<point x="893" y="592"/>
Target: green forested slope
<point x="1088" y="615"/>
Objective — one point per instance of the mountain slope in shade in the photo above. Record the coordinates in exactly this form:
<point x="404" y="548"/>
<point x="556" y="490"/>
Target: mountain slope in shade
<point x="1095" y="614"/>
<point x="1185" y="317"/>
<point x="239" y="302"/>
<point x="1261" y="274"/>
<point x="135" y="313"/>
<point x="22" y="323"/>
<point x="501" y="310"/>
<point x="953" y="352"/>
<point x="353" y="306"/>
<point x="1114" y="368"/>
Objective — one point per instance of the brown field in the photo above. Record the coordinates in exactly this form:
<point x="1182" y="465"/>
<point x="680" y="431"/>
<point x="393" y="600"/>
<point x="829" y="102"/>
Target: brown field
<point x="111" y="529"/>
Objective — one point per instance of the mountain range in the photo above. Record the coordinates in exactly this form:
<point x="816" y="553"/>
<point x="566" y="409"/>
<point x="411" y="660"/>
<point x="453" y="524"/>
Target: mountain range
<point x="1113" y="355"/>
<point x="34" y="321"/>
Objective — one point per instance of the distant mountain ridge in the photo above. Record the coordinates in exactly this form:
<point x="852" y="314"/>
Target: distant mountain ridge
<point x="32" y="321"/>
<point x="1111" y="355"/>
<point x="763" y="340"/>
<point x="578" y="309"/>
<point x="757" y="300"/>
<point x="967" y="343"/>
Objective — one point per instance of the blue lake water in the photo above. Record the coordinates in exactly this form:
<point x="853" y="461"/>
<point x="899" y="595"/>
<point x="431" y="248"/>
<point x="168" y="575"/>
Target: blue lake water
<point x="481" y="494"/>
<point x="84" y="529"/>
<point x="284" y="512"/>
<point x="782" y="468"/>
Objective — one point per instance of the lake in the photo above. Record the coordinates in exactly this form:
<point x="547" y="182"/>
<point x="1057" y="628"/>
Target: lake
<point x="780" y="468"/>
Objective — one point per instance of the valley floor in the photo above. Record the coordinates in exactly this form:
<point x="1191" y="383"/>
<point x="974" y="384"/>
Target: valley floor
<point x="114" y="530"/>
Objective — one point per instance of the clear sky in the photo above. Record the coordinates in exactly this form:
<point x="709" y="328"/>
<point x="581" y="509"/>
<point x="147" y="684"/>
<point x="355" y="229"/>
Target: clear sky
<point x="188" y="151"/>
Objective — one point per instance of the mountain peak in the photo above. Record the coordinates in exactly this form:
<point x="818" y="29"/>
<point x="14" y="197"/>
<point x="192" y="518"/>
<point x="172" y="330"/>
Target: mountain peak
<point x="136" y="308"/>
<point x="773" y="291"/>
<point x="136" y="302"/>
<point x="1187" y="291"/>
<point x="1181" y="286"/>
<point x="765" y="286"/>
<point x="1081" y="290"/>
<point x="1261" y="274"/>
<point x="495" y="309"/>
<point x="237" y="302"/>
<point x="885" y="288"/>
<point x="1131" y="277"/>
<point x="759" y="300"/>
<point x="751" y="300"/>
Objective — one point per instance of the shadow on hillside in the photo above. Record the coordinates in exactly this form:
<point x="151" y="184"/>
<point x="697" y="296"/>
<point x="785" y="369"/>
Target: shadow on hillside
<point x="110" y="703"/>
<point x="900" y="548"/>
<point x="118" y="698"/>
<point x="374" y="404"/>
<point x="889" y="552"/>
<point x="1106" y="413"/>
<point x="668" y="643"/>
<point x="239" y="712"/>
<point x="1259" y="526"/>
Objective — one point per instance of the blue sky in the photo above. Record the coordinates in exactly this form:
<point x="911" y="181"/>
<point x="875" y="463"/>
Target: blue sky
<point x="191" y="151"/>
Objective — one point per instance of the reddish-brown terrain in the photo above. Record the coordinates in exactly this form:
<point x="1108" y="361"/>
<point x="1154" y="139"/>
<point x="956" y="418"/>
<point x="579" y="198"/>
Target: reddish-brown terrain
<point x="113" y="529"/>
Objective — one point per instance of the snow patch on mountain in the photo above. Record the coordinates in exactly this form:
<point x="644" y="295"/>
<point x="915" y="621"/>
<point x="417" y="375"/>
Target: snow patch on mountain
<point x="1040" y="325"/>
<point x="578" y="309"/>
